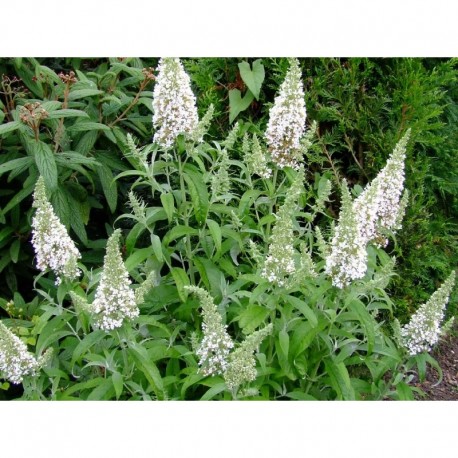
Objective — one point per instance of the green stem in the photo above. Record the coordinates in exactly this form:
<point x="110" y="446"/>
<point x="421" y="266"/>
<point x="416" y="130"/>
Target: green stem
<point x="273" y="200"/>
<point x="185" y="216"/>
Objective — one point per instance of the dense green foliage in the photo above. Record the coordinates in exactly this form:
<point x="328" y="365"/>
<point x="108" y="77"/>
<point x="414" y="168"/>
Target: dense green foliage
<point x="194" y="211"/>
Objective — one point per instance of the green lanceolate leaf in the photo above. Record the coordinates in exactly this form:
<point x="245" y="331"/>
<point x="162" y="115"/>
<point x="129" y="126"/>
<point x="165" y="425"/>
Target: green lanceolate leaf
<point x="46" y="163"/>
<point x="14" y="250"/>
<point x="149" y="369"/>
<point x="9" y="127"/>
<point x="215" y="231"/>
<point x="404" y="391"/>
<point x="157" y="247"/>
<point x="67" y="113"/>
<point x="15" y="164"/>
<point x="199" y="194"/>
<point x="168" y="202"/>
<point x="340" y="380"/>
<point x="302" y="306"/>
<point x="253" y="78"/>
<point x="137" y="257"/>
<point x="20" y="196"/>
<point x="86" y="126"/>
<point x="82" y="93"/>
<point x="118" y="383"/>
<point x="181" y="280"/>
<point x="252" y="317"/>
<point x="109" y="186"/>
<point x="84" y="345"/>
<point x="366" y="321"/>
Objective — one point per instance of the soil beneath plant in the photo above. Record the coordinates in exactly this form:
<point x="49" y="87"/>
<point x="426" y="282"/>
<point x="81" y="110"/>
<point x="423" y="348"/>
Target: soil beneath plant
<point x="446" y="354"/>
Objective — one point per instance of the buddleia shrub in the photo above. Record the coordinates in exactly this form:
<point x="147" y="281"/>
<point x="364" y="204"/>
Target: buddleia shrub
<point x="255" y="265"/>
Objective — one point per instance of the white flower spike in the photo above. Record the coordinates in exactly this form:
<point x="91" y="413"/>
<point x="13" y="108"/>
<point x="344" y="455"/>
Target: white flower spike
<point x="114" y="299"/>
<point x="53" y="246"/>
<point x="287" y="120"/>
<point x="174" y="103"/>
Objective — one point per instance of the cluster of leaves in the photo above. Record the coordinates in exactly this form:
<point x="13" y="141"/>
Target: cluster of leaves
<point x="75" y="147"/>
<point x="326" y="343"/>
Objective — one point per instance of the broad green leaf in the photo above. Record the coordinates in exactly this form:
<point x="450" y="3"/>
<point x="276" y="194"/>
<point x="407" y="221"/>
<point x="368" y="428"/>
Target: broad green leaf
<point x="283" y="339"/>
<point x="420" y="359"/>
<point x="67" y="113"/>
<point x="404" y="392"/>
<point x="20" y="196"/>
<point x="61" y="205"/>
<point x="213" y="391"/>
<point x="366" y="320"/>
<point x="52" y="333"/>
<point x="181" y="280"/>
<point x="303" y="308"/>
<point x="102" y="391"/>
<point x="300" y="396"/>
<point x="86" y="126"/>
<point x="157" y="247"/>
<point x="46" y="163"/>
<point x="190" y="380"/>
<point x="70" y="156"/>
<point x="5" y="233"/>
<point x="14" y="250"/>
<point x="211" y="274"/>
<point x="77" y="224"/>
<point x="86" y="142"/>
<point x="179" y="231"/>
<point x="9" y="127"/>
<point x="151" y="321"/>
<point x="50" y="75"/>
<point x="88" y="341"/>
<point x="252" y="317"/>
<point x="134" y="234"/>
<point x="253" y="78"/>
<point x="303" y="335"/>
<point x="155" y="214"/>
<point x="168" y="203"/>
<point x="82" y="93"/>
<point x="340" y="380"/>
<point x="149" y="369"/>
<point x="51" y="105"/>
<point x="346" y="351"/>
<point x="237" y="104"/>
<point x="109" y="186"/>
<point x="118" y="383"/>
<point x="215" y="232"/>
<point x="199" y="194"/>
<point x="81" y="386"/>
<point x="137" y="257"/>
<point x="15" y="163"/>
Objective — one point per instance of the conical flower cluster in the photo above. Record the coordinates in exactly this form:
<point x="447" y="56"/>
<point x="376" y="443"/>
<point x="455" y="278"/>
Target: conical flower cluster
<point x="114" y="299"/>
<point x="423" y="329"/>
<point x="380" y="207"/>
<point x="279" y="263"/>
<point x="254" y="158"/>
<point x="287" y="120"/>
<point x="220" y="178"/>
<point x="213" y="350"/>
<point x="53" y="247"/>
<point x="174" y="103"/>
<point x="348" y="258"/>
<point x="242" y="363"/>
<point x="16" y="361"/>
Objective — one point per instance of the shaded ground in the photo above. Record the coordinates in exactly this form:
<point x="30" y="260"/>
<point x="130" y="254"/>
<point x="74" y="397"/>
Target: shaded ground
<point x="446" y="354"/>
